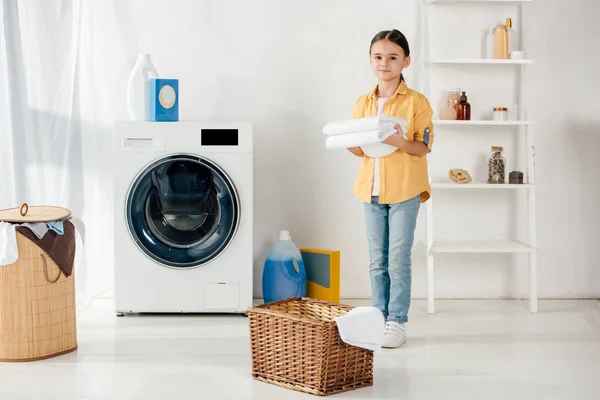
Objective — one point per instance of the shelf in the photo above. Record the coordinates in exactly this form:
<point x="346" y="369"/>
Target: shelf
<point x="480" y="185"/>
<point x="482" y="122"/>
<point x="480" y="61"/>
<point x="469" y="65"/>
<point x="481" y="1"/>
<point x="481" y="246"/>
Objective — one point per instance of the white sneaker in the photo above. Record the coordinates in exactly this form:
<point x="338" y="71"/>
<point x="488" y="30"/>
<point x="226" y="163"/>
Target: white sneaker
<point x="394" y="335"/>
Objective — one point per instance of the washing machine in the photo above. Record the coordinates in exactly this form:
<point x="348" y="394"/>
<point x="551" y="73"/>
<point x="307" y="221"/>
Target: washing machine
<point x="183" y="217"/>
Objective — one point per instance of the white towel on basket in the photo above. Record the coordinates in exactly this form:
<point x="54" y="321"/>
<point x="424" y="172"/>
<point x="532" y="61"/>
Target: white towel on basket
<point x="362" y="327"/>
<point x="9" y="251"/>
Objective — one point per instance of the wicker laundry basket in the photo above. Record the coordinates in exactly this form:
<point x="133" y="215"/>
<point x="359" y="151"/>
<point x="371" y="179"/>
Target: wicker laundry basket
<point x="37" y="301"/>
<point x="296" y="344"/>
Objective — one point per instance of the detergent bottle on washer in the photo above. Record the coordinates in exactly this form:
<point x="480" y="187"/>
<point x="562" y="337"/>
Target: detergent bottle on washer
<point x="138" y="88"/>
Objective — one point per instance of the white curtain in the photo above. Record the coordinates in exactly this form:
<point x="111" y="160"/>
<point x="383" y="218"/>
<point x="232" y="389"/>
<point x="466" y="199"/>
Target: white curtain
<point x="48" y="139"/>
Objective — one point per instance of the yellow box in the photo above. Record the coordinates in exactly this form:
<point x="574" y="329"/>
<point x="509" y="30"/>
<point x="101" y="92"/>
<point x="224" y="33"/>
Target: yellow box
<point x="322" y="274"/>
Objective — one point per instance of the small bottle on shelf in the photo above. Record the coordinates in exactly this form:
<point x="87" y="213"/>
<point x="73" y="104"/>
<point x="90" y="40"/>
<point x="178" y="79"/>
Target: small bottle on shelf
<point x="449" y="111"/>
<point x="463" y="110"/>
<point x="501" y="43"/>
<point x="512" y="36"/>
<point x="489" y="43"/>
<point x="500" y="114"/>
<point x="454" y="96"/>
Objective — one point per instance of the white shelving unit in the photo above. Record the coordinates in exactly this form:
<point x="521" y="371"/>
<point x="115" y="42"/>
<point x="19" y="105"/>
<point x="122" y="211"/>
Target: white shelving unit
<point x="479" y="185"/>
<point x="522" y="125"/>
<point x="439" y="122"/>
<point x="481" y="246"/>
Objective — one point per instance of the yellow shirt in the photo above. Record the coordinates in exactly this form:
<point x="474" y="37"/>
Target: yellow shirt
<point x="402" y="175"/>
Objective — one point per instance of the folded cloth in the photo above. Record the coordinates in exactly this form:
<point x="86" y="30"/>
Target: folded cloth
<point x="9" y="251"/>
<point x="56" y="226"/>
<point x="79" y="227"/>
<point x="343" y="141"/>
<point x="362" y="327"/>
<point x="363" y="124"/>
<point x="459" y="175"/>
<point x="61" y="248"/>
<point x="39" y="228"/>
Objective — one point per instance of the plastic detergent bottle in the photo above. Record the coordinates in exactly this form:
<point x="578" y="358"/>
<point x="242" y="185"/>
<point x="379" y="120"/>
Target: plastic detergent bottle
<point x="284" y="274"/>
<point x="138" y="88"/>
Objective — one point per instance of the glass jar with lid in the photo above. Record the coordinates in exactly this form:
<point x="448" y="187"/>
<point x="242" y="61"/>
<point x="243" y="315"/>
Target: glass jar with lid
<point x="497" y="166"/>
<point x="454" y="97"/>
<point x="449" y="111"/>
<point x="500" y="114"/>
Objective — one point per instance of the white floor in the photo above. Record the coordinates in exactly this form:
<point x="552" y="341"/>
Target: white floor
<point x="467" y="350"/>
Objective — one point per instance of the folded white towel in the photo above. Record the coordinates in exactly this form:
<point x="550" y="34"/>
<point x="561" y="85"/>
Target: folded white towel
<point x="362" y="327"/>
<point x="358" y="139"/>
<point x="363" y="124"/>
<point x="9" y="251"/>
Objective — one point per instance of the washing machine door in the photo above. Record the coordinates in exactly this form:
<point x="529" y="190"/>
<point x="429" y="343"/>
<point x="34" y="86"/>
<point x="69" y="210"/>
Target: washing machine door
<point x="182" y="211"/>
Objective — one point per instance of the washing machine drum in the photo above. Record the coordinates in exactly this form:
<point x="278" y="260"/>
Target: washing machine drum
<point x="182" y="211"/>
<point x="183" y="188"/>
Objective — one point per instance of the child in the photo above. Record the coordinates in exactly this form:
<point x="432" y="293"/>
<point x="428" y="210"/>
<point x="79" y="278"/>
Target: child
<point x="392" y="187"/>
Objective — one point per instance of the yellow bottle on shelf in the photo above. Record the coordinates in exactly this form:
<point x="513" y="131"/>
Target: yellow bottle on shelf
<point x="501" y="43"/>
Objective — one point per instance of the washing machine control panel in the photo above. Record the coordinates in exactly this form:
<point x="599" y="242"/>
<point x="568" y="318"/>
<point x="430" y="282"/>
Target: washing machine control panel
<point x="219" y="137"/>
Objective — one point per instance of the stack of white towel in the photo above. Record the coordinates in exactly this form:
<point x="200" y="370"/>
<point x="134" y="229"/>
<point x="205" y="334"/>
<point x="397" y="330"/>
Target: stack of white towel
<point x="364" y="133"/>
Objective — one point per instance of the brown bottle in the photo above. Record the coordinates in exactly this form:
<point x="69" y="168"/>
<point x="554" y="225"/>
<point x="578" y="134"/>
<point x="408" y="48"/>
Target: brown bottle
<point x="463" y="110"/>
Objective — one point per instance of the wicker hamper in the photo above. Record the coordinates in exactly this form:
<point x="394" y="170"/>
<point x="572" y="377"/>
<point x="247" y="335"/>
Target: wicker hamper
<point x="296" y="344"/>
<point x="37" y="304"/>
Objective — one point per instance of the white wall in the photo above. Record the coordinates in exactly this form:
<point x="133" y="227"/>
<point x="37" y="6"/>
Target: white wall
<point x="567" y="100"/>
<point x="290" y="68"/>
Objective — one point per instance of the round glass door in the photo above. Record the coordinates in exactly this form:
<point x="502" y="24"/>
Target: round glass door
<point x="182" y="211"/>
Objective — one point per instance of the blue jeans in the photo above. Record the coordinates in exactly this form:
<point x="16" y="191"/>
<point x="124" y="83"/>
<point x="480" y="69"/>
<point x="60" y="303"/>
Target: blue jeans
<point x="390" y="232"/>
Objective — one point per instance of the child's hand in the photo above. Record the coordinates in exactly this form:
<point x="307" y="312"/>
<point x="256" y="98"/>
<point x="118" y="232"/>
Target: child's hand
<point x="357" y="151"/>
<point x="397" y="139"/>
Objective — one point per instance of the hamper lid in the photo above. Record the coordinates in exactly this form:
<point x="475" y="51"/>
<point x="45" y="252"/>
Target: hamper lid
<point x="25" y="213"/>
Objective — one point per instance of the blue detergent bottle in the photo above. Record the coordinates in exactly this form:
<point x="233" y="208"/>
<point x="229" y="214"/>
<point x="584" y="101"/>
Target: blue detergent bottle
<point x="284" y="274"/>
